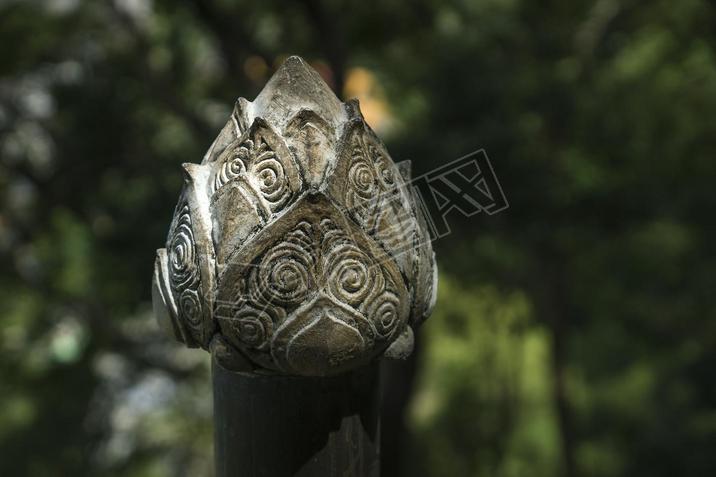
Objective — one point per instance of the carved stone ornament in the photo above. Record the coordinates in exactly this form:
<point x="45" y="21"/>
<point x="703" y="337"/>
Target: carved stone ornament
<point x="297" y="247"/>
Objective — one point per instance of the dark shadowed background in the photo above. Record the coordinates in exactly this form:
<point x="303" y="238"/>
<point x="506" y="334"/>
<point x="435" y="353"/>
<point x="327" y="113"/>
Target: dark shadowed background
<point x="575" y="332"/>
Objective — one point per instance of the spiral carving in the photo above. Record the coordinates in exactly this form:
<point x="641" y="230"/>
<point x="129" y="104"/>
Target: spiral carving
<point x="252" y="327"/>
<point x="190" y="305"/>
<point x="361" y="178"/>
<point x="349" y="272"/>
<point x="384" y="311"/>
<point x="182" y="253"/>
<point x="361" y="193"/>
<point x="384" y="169"/>
<point x="284" y="275"/>
<point x="184" y="271"/>
<point x="300" y="289"/>
<point x="271" y="177"/>
<point x="235" y="165"/>
<point x="247" y="322"/>
<point x="352" y="276"/>
<point x="259" y="160"/>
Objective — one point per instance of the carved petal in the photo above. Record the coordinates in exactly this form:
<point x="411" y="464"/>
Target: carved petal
<point x="262" y="158"/>
<point x="321" y="339"/>
<point x="233" y="129"/>
<point x="165" y="308"/>
<point x="190" y="257"/>
<point x="312" y="139"/>
<point x="293" y="87"/>
<point x="235" y="216"/>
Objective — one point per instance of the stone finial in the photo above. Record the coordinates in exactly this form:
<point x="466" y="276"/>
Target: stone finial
<point x="297" y="246"/>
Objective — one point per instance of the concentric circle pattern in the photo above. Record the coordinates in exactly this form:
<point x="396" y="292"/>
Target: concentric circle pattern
<point x="351" y="273"/>
<point x="271" y="177"/>
<point x="384" y="169"/>
<point x="284" y="274"/>
<point x="361" y="179"/>
<point x="252" y="327"/>
<point x="384" y="310"/>
<point x="190" y="305"/>
<point x="234" y="165"/>
<point x="184" y="272"/>
<point x="182" y="259"/>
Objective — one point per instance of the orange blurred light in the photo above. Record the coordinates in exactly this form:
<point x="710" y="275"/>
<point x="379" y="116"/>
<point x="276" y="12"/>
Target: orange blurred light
<point x="361" y="84"/>
<point x="256" y="69"/>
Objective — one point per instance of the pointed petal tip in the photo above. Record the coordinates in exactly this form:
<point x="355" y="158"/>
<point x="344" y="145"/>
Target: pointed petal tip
<point x="352" y="107"/>
<point x="295" y="86"/>
<point x="294" y="61"/>
<point x="190" y="169"/>
<point x="296" y="72"/>
<point x="295" y="66"/>
<point x="194" y="172"/>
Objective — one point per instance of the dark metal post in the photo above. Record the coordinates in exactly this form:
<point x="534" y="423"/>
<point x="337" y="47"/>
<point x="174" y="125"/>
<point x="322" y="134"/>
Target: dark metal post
<point x="298" y="256"/>
<point x="277" y="426"/>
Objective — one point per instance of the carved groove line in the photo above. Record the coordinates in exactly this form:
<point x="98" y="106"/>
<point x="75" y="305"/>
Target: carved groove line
<point x="271" y="176"/>
<point x="384" y="308"/>
<point x="234" y="166"/>
<point x="253" y="326"/>
<point x="355" y="279"/>
<point x="256" y="159"/>
<point x="284" y="275"/>
<point x="282" y="278"/>
<point x="361" y="191"/>
<point x="184" y="270"/>
<point x="352" y="275"/>
<point x="384" y="169"/>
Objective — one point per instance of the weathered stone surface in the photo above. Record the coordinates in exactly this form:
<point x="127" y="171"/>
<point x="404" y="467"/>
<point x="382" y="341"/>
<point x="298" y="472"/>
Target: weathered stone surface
<point x="297" y="245"/>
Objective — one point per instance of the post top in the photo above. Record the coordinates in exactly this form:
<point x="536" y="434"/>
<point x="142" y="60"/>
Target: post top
<point x="297" y="246"/>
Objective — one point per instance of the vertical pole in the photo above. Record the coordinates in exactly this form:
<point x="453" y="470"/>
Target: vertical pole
<point x="285" y="426"/>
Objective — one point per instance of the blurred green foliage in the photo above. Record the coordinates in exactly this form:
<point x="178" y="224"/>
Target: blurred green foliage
<point x="575" y="331"/>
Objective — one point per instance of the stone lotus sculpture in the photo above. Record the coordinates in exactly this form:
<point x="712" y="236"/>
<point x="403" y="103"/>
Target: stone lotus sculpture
<point x="297" y="246"/>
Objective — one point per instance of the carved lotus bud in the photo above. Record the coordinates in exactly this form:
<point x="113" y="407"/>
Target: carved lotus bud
<point x="297" y="245"/>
